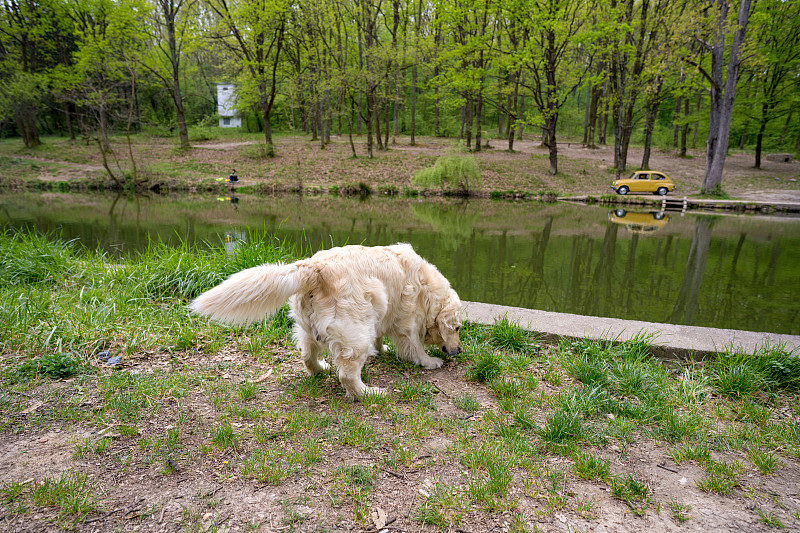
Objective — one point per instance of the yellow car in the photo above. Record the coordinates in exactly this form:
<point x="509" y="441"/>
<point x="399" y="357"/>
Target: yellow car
<point x="639" y="222"/>
<point x="644" y="181"/>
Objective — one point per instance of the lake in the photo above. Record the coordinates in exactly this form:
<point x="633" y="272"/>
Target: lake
<point x="717" y="270"/>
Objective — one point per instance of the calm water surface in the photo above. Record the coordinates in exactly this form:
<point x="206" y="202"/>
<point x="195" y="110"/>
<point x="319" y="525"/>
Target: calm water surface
<point x="739" y="272"/>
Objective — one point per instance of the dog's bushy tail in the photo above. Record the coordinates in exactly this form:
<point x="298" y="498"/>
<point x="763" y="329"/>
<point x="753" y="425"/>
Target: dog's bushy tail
<point x="252" y="294"/>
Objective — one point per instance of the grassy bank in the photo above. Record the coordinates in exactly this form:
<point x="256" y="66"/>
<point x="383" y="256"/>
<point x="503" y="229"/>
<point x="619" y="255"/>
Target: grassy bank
<point x="201" y="427"/>
<point x="302" y="166"/>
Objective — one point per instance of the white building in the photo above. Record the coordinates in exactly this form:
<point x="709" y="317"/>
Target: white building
<point x="226" y="100"/>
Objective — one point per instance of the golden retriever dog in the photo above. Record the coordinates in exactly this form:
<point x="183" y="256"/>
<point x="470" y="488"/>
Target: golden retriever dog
<point x="346" y="300"/>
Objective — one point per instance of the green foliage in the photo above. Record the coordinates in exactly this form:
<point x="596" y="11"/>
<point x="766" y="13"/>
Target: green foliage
<point x="54" y="366"/>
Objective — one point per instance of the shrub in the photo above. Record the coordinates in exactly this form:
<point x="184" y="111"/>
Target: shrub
<point x="455" y="171"/>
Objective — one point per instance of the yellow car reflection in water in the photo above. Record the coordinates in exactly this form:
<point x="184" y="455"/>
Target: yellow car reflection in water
<point x="639" y="222"/>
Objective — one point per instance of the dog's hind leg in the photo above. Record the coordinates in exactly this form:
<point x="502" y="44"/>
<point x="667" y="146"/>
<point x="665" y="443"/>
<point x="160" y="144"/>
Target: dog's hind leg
<point x="311" y="351"/>
<point x="349" y="361"/>
<point x="411" y="349"/>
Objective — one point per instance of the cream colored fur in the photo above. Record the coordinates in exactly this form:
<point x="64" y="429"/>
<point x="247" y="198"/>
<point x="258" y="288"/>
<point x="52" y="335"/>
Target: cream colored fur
<point x="345" y="300"/>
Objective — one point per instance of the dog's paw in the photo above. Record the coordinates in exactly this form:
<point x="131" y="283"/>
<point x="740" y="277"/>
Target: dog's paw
<point x="316" y="366"/>
<point x="432" y="363"/>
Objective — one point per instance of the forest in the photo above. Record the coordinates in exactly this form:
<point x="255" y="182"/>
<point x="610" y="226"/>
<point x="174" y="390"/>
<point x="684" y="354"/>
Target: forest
<point x="658" y="73"/>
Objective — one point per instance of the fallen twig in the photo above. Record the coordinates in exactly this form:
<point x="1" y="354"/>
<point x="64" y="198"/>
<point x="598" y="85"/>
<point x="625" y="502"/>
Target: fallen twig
<point x="395" y="474"/>
<point x="114" y="511"/>
<point x="440" y="389"/>
<point x="667" y="468"/>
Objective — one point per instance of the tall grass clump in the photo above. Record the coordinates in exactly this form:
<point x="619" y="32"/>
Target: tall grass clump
<point x="56" y="298"/>
<point x="453" y="171"/>
<point x="509" y="336"/>
<point x="28" y="258"/>
<point x="184" y="271"/>
<point x="740" y="374"/>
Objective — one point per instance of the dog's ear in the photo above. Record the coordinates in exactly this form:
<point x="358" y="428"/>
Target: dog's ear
<point x="449" y="315"/>
<point x="432" y="314"/>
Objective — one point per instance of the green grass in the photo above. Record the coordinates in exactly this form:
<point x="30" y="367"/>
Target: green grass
<point x="515" y="418"/>
<point x="71" y="496"/>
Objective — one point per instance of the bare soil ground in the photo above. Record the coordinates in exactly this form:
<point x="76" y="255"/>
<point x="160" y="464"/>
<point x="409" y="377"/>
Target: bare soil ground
<point x="408" y="456"/>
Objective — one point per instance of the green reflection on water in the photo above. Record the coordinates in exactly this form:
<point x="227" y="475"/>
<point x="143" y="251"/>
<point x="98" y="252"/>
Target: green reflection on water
<point x="738" y="272"/>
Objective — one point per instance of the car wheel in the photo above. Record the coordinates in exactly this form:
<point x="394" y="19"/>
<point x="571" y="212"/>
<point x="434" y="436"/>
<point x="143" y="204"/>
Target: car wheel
<point x="622" y="190"/>
<point x="658" y="216"/>
<point x="661" y="191"/>
<point x="620" y="212"/>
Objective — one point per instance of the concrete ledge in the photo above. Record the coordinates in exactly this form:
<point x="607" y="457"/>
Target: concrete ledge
<point x="670" y="341"/>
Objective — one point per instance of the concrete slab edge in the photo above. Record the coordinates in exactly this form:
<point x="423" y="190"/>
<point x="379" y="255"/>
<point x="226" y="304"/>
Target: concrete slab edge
<point x="668" y="340"/>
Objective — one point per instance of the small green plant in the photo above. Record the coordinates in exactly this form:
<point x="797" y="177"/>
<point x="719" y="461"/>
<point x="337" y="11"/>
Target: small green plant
<point x="563" y="429"/>
<point x="225" y="437"/>
<point x="588" y="466"/>
<point x="691" y="452"/>
<point x="680" y="511"/>
<point x="266" y="466"/>
<point x="411" y="390"/>
<point x="636" y="494"/>
<point x="444" y="506"/>
<point x="584" y="506"/>
<point x="770" y="519"/>
<point x="487" y="366"/>
<point x="55" y="366"/>
<point x="765" y="461"/>
<point x="247" y="391"/>
<point x="357" y="433"/>
<point x="467" y="403"/>
<point x="717" y="481"/>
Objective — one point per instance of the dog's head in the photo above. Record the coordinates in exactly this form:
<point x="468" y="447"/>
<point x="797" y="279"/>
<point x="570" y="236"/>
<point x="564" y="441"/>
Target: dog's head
<point x="443" y="331"/>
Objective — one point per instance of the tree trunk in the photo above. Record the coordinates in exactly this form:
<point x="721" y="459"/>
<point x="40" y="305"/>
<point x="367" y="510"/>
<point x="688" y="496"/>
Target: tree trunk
<point x="785" y="127"/>
<point x="722" y="96"/>
<point x="685" y="128"/>
<point x="765" y="112"/>
<point x="71" y="129"/>
<point x="649" y="125"/>
<point x="387" y="115"/>
<point x="25" y="118"/>
<point x="478" y="123"/>
<point x="676" y="116"/>
<point x="512" y="113"/>
<point x="697" y="122"/>
<point x="587" y="113"/>
<point x="170" y="12"/>
<point x="468" y="108"/>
